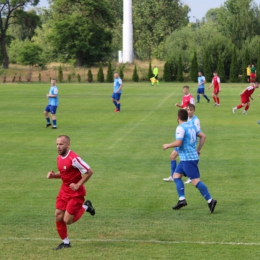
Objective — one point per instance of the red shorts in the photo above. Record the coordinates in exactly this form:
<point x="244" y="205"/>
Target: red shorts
<point x="68" y="202"/>
<point x="245" y="99"/>
<point x="216" y="91"/>
<point x="252" y="75"/>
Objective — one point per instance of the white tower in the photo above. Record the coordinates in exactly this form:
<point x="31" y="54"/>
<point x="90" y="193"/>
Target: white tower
<point x="127" y="54"/>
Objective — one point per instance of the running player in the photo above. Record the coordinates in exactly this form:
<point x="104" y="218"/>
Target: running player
<point x="217" y="89"/>
<point x="201" y="87"/>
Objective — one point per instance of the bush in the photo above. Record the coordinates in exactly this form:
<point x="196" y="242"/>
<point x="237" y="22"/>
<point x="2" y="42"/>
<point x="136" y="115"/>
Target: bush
<point x="110" y="76"/>
<point x="79" y="78"/>
<point x="121" y="73"/>
<point x="194" y="68"/>
<point x="180" y="77"/>
<point x="69" y="78"/>
<point x="167" y="77"/>
<point x="135" y="77"/>
<point x="40" y="77"/>
<point x="100" y="75"/>
<point x="150" y="72"/>
<point x="60" y="74"/>
<point x="90" y="76"/>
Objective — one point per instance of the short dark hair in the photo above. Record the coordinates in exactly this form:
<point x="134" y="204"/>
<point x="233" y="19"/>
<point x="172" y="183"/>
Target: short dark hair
<point x="191" y="106"/>
<point x="186" y="87"/>
<point x="183" y="114"/>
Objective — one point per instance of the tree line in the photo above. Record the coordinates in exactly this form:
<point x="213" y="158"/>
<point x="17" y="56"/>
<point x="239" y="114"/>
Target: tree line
<point x="85" y="32"/>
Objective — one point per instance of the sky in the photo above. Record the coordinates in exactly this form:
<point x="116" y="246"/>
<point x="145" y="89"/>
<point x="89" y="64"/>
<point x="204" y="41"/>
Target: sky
<point x="198" y="8"/>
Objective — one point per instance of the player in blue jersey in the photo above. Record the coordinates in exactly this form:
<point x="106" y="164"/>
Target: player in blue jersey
<point x="186" y="135"/>
<point x="53" y="102"/>
<point x="195" y="121"/>
<point x="118" y="84"/>
<point x="201" y="87"/>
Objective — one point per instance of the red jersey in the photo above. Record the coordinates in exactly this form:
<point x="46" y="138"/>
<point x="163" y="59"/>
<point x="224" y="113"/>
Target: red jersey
<point x="249" y="91"/>
<point x="186" y="100"/>
<point x="216" y="81"/>
<point x="71" y="167"/>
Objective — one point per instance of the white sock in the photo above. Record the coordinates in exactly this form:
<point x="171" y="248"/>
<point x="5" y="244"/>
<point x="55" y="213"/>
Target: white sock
<point x="181" y="198"/>
<point x="209" y="200"/>
<point x="66" y="240"/>
<point x="85" y="207"/>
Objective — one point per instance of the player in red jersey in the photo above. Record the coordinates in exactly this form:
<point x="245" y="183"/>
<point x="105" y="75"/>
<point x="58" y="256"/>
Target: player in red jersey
<point x="217" y="89"/>
<point x="73" y="172"/>
<point x="186" y="99"/>
<point x="245" y="96"/>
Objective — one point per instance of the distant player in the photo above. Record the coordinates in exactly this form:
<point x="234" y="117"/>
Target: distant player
<point x="201" y="87"/>
<point x="185" y="139"/>
<point x="118" y="84"/>
<point x="53" y="102"/>
<point x="155" y="75"/>
<point x="217" y="89"/>
<point x="253" y="73"/>
<point x="248" y="72"/>
<point x="245" y="97"/>
<point x="186" y="99"/>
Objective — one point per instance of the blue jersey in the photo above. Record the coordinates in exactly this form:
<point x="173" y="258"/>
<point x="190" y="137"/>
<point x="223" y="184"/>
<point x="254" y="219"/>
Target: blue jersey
<point x="187" y="133"/>
<point x="54" y="101"/>
<point x="200" y="80"/>
<point x="117" y="83"/>
<point x="195" y="121"/>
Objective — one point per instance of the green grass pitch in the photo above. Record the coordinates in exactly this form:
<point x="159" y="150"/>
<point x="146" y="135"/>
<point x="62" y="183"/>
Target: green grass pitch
<point x="134" y="217"/>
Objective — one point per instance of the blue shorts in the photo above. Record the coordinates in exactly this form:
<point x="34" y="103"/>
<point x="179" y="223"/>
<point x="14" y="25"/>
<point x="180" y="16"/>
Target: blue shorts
<point x="176" y="149"/>
<point x="51" y="109"/>
<point x="116" y="96"/>
<point x="201" y="91"/>
<point x="189" y="169"/>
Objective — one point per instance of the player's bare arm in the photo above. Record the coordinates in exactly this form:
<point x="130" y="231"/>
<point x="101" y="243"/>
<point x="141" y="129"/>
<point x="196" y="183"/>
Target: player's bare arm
<point x="202" y="137"/>
<point x="52" y="175"/>
<point x="176" y="143"/>
<point x="85" y="178"/>
<point x="210" y="86"/>
<point x="178" y="105"/>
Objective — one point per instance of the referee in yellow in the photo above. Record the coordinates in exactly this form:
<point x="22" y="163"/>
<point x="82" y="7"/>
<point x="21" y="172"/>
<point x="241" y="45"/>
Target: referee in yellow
<point x="155" y="75"/>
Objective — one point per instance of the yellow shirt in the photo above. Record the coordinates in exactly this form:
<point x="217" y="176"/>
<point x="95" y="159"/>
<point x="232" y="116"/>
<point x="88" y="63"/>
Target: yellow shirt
<point x="248" y="71"/>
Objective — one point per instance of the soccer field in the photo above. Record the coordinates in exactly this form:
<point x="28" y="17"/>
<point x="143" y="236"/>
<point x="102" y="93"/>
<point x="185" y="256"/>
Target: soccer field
<point x="134" y="217"/>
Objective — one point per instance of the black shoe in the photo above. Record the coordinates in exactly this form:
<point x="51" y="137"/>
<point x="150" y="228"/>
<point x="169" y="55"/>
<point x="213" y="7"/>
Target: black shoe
<point x="208" y="100"/>
<point x="212" y="205"/>
<point x="180" y="204"/>
<point x="47" y="125"/>
<point x="62" y="245"/>
<point x="54" y="127"/>
<point x="90" y="208"/>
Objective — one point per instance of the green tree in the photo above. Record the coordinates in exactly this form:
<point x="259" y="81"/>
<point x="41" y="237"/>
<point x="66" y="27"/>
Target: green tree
<point x="30" y="54"/>
<point x="246" y="62"/>
<point x="100" y="75"/>
<point x="121" y="72"/>
<point x="60" y="73"/>
<point x="78" y="29"/>
<point x="135" y="76"/>
<point x="258" y="65"/>
<point x="167" y="77"/>
<point x="233" y="76"/>
<point x="90" y="76"/>
<point x="220" y="69"/>
<point x="150" y="71"/>
<point x="180" y="77"/>
<point x="153" y="21"/>
<point x="69" y="78"/>
<point x="79" y="78"/>
<point x="110" y="76"/>
<point x="207" y="65"/>
<point x="13" y="12"/>
<point x="194" y="68"/>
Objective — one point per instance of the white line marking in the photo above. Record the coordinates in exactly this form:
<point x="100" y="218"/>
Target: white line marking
<point x="137" y="124"/>
<point x="138" y="241"/>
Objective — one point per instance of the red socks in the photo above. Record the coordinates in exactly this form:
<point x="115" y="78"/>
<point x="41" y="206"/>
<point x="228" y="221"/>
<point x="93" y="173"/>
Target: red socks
<point x="78" y="215"/>
<point x="62" y="229"/>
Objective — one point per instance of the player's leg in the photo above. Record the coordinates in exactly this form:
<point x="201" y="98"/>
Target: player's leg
<point x="113" y="98"/>
<point x="118" y="95"/>
<point x="46" y="114"/>
<point x="204" y="95"/>
<point x="157" y="80"/>
<point x="192" y="168"/>
<point x="214" y="98"/>
<point x="53" y="115"/>
<point x="179" y="186"/>
<point x="173" y="164"/>
<point x="198" y="96"/>
<point x="247" y="105"/>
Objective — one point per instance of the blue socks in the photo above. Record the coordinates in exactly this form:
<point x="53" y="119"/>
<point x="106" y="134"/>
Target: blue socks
<point x="115" y="103"/>
<point x="179" y="187"/>
<point x="118" y="106"/>
<point x="205" y="96"/>
<point x="54" y="122"/>
<point x="203" y="190"/>
<point x="173" y="166"/>
<point x="198" y="98"/>
<point x="48" y="120"/>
